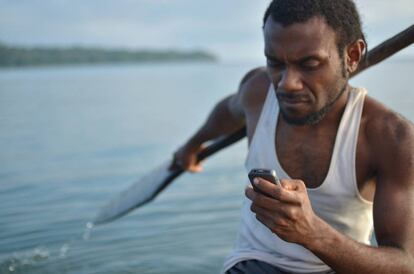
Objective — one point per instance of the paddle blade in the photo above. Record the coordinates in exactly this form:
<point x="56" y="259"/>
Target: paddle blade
<point x="139" y="193"/>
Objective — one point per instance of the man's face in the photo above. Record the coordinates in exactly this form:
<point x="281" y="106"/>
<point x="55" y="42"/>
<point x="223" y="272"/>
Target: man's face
<point x="305" y="68"/>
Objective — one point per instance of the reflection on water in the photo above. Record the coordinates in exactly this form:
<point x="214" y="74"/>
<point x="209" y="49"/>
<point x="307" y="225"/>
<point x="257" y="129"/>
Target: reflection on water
<point x="64" y="250"/>
<point x="23" y="262"/>
<point x="88" y="231"/>
<point x="73" y="137"/>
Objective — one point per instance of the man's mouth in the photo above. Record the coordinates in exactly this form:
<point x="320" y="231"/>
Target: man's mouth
<point x="292" y="100"/>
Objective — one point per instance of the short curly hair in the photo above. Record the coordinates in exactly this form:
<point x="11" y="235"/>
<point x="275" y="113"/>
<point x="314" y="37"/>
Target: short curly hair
<point x="341" y="15"/>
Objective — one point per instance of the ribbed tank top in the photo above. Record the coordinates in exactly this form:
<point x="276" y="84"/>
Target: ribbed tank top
<point x="337" y="200"/>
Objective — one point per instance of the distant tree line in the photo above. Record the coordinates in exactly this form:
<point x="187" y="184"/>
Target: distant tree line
<point x="20" y="56"/>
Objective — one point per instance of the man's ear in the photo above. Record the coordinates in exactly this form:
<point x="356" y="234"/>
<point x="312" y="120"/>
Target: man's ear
<point x="354" y="53"/>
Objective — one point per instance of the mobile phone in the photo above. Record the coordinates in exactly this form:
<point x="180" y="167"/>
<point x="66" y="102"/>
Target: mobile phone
<point x="267" y="174"/>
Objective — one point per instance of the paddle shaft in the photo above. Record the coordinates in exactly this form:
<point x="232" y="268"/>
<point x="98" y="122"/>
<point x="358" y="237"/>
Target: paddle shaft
<point x="374" y="56"/>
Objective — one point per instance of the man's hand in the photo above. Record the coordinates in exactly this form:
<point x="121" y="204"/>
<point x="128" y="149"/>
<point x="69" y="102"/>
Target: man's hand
<point x="285" y="209"/>
<point x="186" y="158"/>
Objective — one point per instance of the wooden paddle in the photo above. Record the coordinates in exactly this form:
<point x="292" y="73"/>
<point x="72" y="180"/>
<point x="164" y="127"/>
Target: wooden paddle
<point x="148" y="187"/>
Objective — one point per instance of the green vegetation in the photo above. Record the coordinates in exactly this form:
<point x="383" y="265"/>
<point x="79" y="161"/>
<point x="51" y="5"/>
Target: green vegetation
<point x="19" y="56"/>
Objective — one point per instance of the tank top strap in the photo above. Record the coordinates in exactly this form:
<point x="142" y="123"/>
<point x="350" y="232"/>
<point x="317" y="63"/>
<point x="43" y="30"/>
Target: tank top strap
<point x="347" y="140"/>
<point x="349" y="127"/>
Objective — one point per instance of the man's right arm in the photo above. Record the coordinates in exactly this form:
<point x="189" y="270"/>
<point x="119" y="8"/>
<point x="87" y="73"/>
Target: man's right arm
<point x="226" y="117"/>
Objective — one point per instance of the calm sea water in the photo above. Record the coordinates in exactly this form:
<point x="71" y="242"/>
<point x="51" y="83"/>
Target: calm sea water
<point x="73" y="137"/>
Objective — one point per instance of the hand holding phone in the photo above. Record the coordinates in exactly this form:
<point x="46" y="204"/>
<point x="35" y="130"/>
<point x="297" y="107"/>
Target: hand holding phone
<point x="267" y="174"/>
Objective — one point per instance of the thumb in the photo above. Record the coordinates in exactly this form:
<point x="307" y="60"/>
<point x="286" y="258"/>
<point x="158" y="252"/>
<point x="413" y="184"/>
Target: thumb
<point x="195" y="168"/>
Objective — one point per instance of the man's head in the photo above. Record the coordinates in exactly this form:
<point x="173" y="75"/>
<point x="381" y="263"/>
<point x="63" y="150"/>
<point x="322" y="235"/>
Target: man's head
<point x="341" y="15"/>
<point x="311" y="47"/>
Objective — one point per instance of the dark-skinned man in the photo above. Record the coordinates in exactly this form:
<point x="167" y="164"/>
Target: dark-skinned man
<point x="346" y="162"/>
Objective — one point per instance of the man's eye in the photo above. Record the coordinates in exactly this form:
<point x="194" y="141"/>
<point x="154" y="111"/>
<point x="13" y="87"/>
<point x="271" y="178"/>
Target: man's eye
<point x="274" y="64"/>
<point x="311" y="64"/>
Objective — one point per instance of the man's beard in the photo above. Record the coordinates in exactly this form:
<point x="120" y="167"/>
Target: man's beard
<point x="316" y="117"/>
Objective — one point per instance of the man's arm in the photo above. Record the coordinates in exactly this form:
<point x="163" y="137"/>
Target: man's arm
<point x="226" y="117"/>
<point x="288" y="213"/>
<point x="392" y="147"/>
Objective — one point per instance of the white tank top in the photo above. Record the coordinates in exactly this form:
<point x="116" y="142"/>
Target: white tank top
<point x="337" y="200"/>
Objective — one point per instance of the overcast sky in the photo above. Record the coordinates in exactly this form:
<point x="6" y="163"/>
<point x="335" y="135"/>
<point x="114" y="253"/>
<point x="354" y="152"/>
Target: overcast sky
<point x="229" y="28"/>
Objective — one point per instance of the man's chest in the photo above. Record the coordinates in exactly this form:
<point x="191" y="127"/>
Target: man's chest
<point x="306" y="157"/>
<point x="301" y="156"/>
<point x="309" y="157"/>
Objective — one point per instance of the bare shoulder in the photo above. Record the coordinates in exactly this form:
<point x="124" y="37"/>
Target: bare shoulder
<point x="386" y="126"/>
<point x="253" y="88"/>
<point x="251" y="93"/>
<point x="389" y="137"/>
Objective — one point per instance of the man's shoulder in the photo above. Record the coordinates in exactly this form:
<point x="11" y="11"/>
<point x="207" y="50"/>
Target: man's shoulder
<point x="379" y="119"/>
<point x="255" y="76"/>
<point x="253" y="87"/>
<point x="387" y="133"/>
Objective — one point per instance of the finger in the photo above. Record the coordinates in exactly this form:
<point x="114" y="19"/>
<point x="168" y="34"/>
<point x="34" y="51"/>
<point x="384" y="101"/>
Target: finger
<point x="277" y="191"/>
<point x="274" y="213"/>
<point x="274" y="224"/>
<point x="195" y="168"/>
<point x="261" y="200"/>
<point x="266" y="221"/>
<point x="281" y="211"/>
<point x="278" y="221"/>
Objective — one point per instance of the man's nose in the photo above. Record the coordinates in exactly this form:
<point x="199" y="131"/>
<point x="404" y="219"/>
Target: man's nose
<point x="290" y="80"/>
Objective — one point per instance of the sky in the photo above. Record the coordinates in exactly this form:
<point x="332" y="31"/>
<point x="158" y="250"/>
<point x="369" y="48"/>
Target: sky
<point x="231" y="28"/>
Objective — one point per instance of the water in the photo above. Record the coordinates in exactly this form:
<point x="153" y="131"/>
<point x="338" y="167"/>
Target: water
<point x="72" y="137"/>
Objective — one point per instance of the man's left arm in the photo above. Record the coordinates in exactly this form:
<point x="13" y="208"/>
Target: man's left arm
<point x="288" y="213"/>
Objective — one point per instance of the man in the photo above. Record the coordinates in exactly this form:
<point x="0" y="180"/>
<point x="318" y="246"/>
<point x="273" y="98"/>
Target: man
<point x="346" y="162"/>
